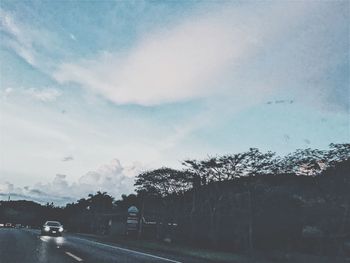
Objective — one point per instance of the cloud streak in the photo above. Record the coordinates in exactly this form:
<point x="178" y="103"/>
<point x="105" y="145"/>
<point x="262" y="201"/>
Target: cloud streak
<point x="21" y="39"/>
<point x="67" y="158"/>
<point x="166" y="66"/>
<point x="242" y="50"/>
<point x="45" y="94"/>
<point x="219" y="52"/>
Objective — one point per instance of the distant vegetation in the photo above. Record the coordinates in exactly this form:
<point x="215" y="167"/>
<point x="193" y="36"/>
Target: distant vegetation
<point x="241" y="202"/>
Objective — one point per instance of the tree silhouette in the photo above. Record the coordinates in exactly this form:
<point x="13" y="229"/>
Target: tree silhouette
<point x="163" y="182"/>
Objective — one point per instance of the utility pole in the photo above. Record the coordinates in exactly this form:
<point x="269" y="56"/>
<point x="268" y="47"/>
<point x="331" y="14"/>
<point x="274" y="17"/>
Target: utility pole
<point x="141" y="218"/>
<point x="250" y="227"/>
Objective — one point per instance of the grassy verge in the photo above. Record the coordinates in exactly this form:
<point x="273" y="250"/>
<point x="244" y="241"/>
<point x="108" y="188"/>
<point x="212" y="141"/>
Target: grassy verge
<point x="202" y="255"/>
<point x="207" y="255"/>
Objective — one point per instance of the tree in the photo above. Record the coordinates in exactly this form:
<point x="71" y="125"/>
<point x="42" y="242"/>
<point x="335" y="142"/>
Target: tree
<point x="257" y="162"/>
<point x="305" y="162"/>
<point x="126" y="202"/>
<point x="234" y="165"/>
<point x="338" y="153"/>
<point x="100" y="202"/>
<point x="162" y="182"/>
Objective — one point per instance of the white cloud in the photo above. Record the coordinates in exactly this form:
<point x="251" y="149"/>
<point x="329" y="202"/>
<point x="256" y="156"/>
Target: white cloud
<point x="45" y="95"/>
<point x="21" y="41"/>
<point x="205" y="54"/>
<point x="6" y="92"/>
<point x="170" y="65"/>
<point x="113" y="178"/>
<point x="72" y="37"/>
<point x="241" y="51"/>
<point x="33" y="44"/>
<point x="6" y="187"/>
<point x="196" y="58"/>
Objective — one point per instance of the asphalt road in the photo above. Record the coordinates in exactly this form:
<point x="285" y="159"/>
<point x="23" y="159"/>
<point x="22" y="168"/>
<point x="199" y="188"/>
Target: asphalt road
<point x="27" y="246"/>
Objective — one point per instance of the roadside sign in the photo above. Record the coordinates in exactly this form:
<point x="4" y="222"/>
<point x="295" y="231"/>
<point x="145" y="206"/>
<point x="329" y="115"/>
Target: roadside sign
<point x="132" y="220"/>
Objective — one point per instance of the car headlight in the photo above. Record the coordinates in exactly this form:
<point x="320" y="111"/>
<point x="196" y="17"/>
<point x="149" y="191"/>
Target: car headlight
<point x="47" y="228"/>
<point x="60" y="229"/>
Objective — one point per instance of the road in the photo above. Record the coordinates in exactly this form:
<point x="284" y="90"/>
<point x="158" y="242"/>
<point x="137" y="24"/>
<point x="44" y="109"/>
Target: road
<point x="27" y="246"/>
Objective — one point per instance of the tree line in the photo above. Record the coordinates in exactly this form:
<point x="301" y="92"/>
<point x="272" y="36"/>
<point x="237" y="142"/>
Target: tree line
<point x="242" y="202"/>
<point x="254" y="199"/>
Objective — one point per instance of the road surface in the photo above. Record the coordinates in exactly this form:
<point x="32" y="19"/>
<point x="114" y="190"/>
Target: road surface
<point x="27" y="246"/>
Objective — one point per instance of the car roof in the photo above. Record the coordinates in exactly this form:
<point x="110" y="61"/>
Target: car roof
<point x="52" y="222"/>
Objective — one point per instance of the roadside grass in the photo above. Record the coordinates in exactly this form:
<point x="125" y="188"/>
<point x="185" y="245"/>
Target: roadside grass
<point x="208" y="255"/>
<point x="203" y="255"/>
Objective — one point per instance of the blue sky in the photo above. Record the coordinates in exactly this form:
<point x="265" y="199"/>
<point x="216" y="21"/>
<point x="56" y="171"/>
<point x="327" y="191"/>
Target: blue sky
<point x="92" y="92"/>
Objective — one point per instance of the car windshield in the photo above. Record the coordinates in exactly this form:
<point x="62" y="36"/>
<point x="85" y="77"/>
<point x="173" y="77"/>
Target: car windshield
<point x="52" y="223"/>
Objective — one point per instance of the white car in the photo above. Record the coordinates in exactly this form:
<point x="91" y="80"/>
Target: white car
<point x="54" y="228"/>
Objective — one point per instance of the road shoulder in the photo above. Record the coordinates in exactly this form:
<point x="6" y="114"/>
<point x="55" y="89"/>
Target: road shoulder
<point x="175" y="252"/>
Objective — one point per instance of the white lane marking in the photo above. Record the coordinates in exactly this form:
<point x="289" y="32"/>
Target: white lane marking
<point x="73" y="256"/>
<point x="129" y="250"/>
<point x="42" y="239"/>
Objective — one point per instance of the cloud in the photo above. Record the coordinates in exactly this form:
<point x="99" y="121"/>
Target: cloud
<point x="36" y="191"/>
<point x="20" y="40"/>
<point x="44" y="95"/>
<point x="9" y="191"/>
<point x="6" y="187"/>
<point x="72" y="37"/>
<point x="112" y="178"/>
<point x="7" y="92"/>
<point x="280" y="102"/>
<point x="239" y="50"/>
<point x="33" y="43"/>
<point x="67" y="158"/>
<point x="169" y="65"/>
<point x="243" y="51"/>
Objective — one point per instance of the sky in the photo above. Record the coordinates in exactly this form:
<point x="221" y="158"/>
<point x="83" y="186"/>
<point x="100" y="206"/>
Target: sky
<point x="94" y="92"/>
